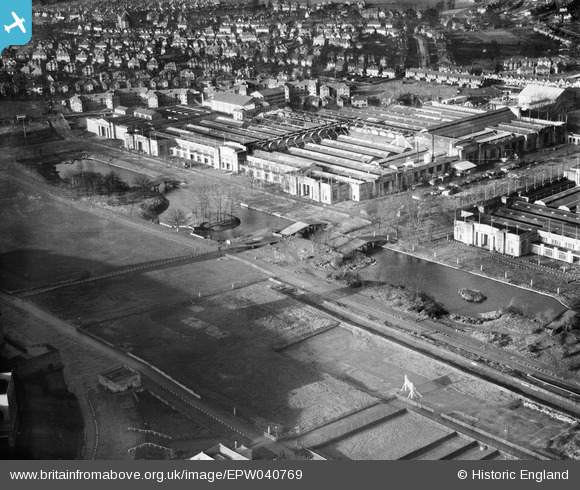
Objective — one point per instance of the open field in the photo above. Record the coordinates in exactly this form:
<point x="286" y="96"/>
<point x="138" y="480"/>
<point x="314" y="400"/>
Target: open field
<point x="218" y="345"/>
<point x="380" y="366"/>
<point x="34" y="136"/>
<point x="45" y="241"/>
<point x="388" y="440"/>
<point x="129" y="294"/>
<point x="468" y="47"/>
<point x="11" y="108"/>
<point x="188" y="437"/>
<point x="394" y="89"/>
<point x="159" y="417"/>
<point x="115" y="412"/>
<point x="443" y="449"/>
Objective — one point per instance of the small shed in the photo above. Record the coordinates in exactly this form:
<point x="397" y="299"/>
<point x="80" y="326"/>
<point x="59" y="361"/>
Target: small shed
<point x="120" y="378"/>
<point x="463" y="166"/>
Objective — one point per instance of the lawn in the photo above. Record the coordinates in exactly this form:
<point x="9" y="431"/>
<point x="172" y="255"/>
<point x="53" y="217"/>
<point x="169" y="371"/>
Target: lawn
<point x="11" y="108"/>
<point x="222" y="345"/>
<point x="35" y="135"/>
<point x="44" y="241"/>
<point x="158" y="290"/>
<point x="389" y="440"/>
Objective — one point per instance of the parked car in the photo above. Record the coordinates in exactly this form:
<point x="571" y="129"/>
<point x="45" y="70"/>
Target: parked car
<point x="507" y="168"/>
<point x="450" y="191"/>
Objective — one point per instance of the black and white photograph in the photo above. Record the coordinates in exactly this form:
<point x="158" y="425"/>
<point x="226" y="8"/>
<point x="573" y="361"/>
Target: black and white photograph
<point x="277" y="230"/>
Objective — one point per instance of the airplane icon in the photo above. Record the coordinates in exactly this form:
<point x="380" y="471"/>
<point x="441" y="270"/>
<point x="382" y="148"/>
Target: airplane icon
<point x="17" y="23"/>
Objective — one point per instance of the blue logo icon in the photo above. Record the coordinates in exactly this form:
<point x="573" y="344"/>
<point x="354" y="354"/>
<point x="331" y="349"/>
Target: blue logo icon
<point x="15" y="22"/>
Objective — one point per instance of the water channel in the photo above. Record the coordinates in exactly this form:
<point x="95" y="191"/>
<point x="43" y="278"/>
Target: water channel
<point x="180" y="197"/>
<point x="441" y="282"/>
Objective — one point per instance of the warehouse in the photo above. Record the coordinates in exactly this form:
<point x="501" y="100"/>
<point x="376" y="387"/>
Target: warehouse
<point x="549" y="227"/>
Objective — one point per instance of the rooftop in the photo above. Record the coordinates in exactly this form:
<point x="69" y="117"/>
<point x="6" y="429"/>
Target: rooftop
<point x="534" y="93"/>
<point x="118" y="373"/>
<point x="231" y="98"/>
<point x="533" y="216"/>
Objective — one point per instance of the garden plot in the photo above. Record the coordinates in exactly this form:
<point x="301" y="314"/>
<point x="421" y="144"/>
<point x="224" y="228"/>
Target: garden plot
<point x="380" y="366"/>
<point x="222" y="347"/>
<point x="389" y="440"/>
<point x="443" y="449"/>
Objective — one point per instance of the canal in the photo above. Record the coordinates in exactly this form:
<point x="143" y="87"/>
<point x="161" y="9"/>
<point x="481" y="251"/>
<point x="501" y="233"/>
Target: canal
<point x="443" y="283"/>
<point x="395" y="268"/>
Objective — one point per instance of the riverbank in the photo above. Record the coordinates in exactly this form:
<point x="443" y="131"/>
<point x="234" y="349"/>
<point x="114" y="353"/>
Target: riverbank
<point x="289" y="207"/>
<point x="519" y="273"/>
<point x="508" y="328"/>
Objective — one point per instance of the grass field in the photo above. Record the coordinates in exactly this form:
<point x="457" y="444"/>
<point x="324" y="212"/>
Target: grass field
<point x="389" y="440"/>
<point x="114" y="412"/>
<point x="43" y="241"/>
<point x="122" y="296"/>
<point x="16" y="138"/>
<point x="159" y="417"/>
<point x="425" y="91"/>
<point x="11" y="108"/>
<point x="220" y="345"/>
<point x="467" y="47"/>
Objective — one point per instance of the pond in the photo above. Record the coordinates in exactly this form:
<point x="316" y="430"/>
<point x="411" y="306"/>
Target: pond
<point x="181" y="197"/>
<point x="127" y="176"/>
<point x="251" y="219"/>
<point x="443" y="283"/>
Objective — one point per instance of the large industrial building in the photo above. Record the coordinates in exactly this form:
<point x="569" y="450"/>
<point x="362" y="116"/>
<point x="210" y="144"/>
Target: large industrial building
<point x="471" y="134"/>
<point x="333" y="155"/>
<point x="354" y="166"/>
<point x="545" y="221"/>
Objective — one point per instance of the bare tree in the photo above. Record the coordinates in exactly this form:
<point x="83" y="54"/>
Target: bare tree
<point x="232" y="197"/>
<point x="176" y="217"/>
<point x="389" y="213"/>
<point x="216" y="194"/>
<point x="143" y="184"/>
<point x="203" y="198"/>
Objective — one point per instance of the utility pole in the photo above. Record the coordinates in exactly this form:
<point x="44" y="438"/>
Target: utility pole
<point x="22" y="117"/>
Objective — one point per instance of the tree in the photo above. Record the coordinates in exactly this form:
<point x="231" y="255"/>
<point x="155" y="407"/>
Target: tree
<point x="431" y="16"/>
<point x="143" y="184"/>
<point x="153" y="207"/>
<point x="416" y="213"/>
<point x="389" y="212"/>
<point x="113" y="183"/>
<point x="201" y="200"/>
<point x="176" y="217"/>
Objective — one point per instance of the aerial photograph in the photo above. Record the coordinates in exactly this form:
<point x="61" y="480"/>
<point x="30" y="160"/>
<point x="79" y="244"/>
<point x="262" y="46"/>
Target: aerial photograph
<point x="290" y="230"/>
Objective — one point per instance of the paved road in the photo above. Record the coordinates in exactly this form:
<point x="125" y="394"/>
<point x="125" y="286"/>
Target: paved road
<point x="422" y="51"/>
